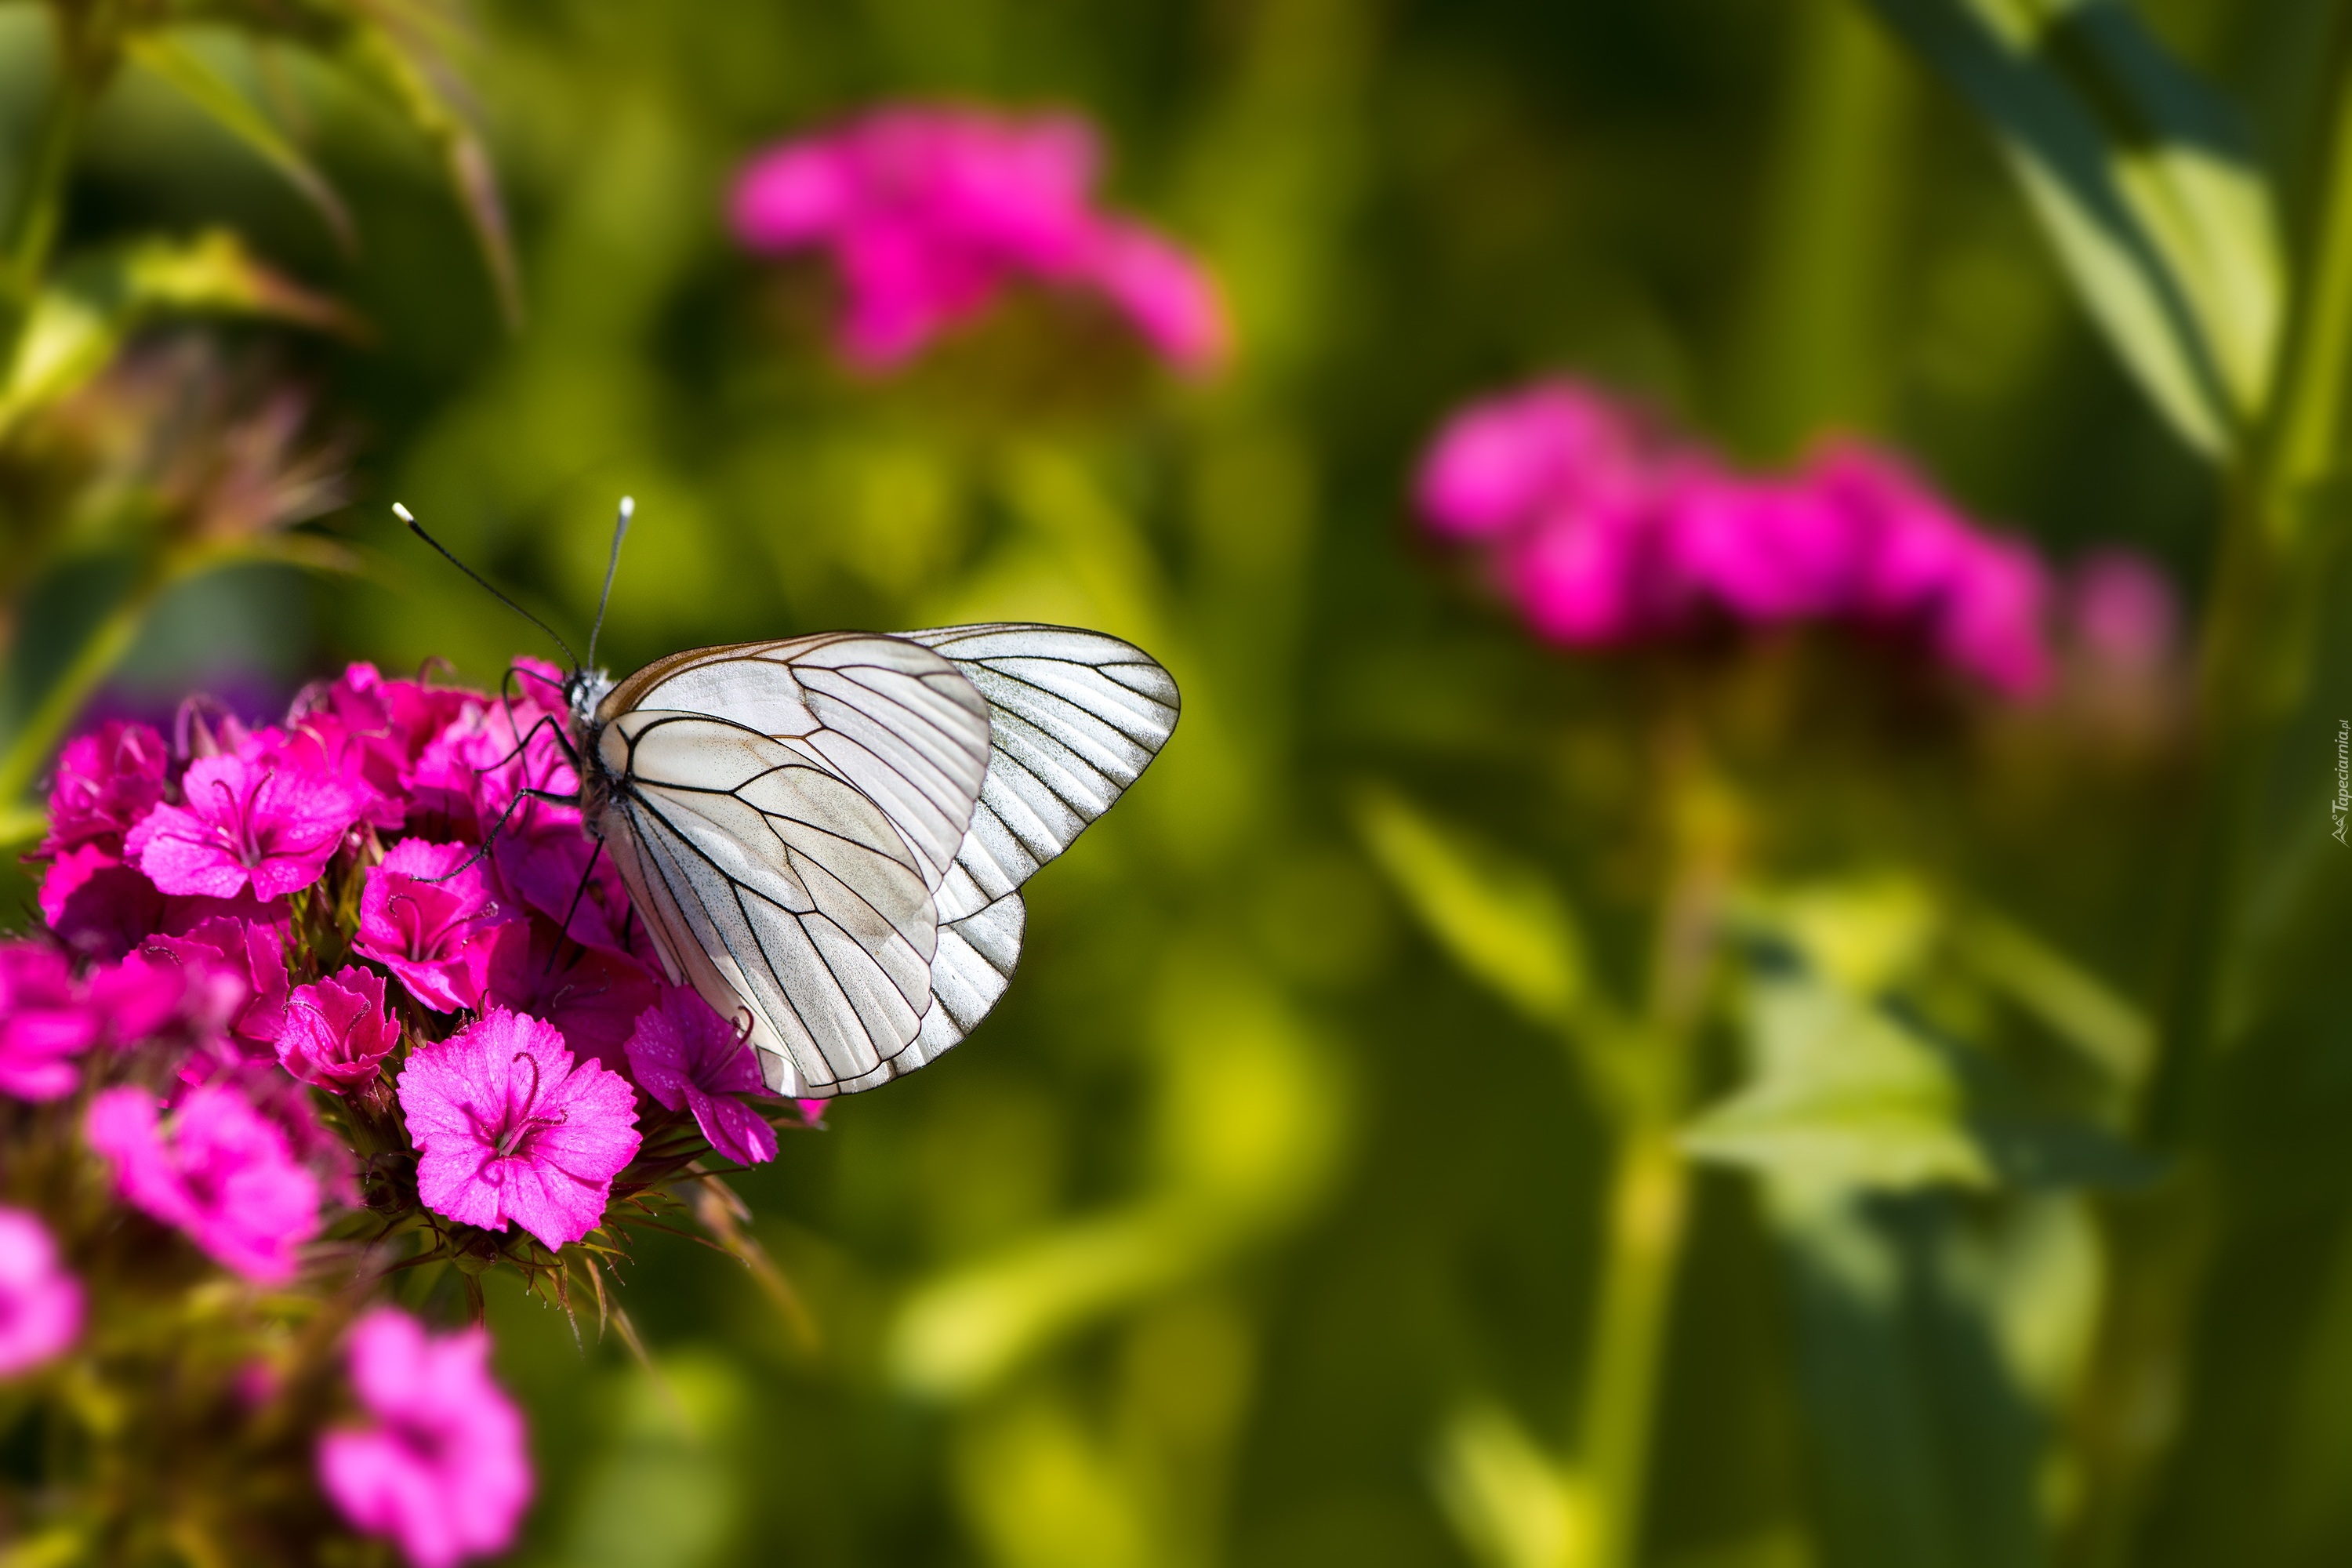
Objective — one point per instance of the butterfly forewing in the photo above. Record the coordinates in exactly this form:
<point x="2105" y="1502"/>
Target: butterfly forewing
<point x="829" y="835"/>
<point x="896" y="720"/>
<point x="1074" y="719"/>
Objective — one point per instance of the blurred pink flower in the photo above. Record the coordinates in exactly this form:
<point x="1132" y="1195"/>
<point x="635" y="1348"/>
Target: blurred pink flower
<point x="2124" y="612"/>
<point x="1605" y="531"/>
<point x="45" y="1023"/>
<point x="215" y="1168"/>
<point x="40" y="1303"/>
<point x="251" y="950"/>
<point x="249" y="819"/>
<point x="930" y="211"/>
<point x="1763" y="549"/>
<point x="105" y="783"/>
<point x="1508" y="462"/>
<point x="436" y="935"/>
<point x="508" y="1129"/>
<point x="336" y="1032"/>
<point x="97" y="905"/>
<point x="443" y="1472"/>
<point x="684" y="1054"/>
<point x="1995" y="623"/>
<point x="138" y="997"/>
<point x="1581" y="574"/>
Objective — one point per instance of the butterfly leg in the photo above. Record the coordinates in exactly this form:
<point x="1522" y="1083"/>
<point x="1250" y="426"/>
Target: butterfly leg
<point x="586" y="876"/>
<point x="491" y="837"/>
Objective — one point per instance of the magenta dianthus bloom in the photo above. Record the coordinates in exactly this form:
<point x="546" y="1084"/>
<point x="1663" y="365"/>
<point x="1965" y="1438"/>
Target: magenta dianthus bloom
<point x="217" y="1169"/>
<point x="253" y="952"/>
<point x="336" y="1033"/>
<point x="684" y="1054"/>
<point x="443" y="1472"/>
<point x="45" y="1023"/>
<point x="430" y="927"/>
<point x="508" y="1129"/>
<point x="930" y="211"/>
<point x="589" y="994"/>
<point x="249" y="819"/>
<point x="40" y="1303"/>
<point x="105" y="783"/>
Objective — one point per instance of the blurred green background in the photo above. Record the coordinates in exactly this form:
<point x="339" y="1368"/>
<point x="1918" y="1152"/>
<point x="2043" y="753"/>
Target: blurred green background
<point x="1252" y="1228"/>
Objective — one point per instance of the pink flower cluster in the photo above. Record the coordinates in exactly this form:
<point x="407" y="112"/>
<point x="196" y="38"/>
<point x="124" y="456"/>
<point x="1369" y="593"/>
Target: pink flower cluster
<point x="286" y="964"/>
<point x="1606" y="527"/>
<point x="928" y="211"/>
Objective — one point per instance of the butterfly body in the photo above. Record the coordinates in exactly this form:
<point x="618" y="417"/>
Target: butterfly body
<point x="826" y="836"/>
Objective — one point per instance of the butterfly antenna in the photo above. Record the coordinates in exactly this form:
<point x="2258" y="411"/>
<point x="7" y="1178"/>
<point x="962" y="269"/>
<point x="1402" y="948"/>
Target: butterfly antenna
<point x="418" y="528"/>
<point x="620" y="532"/>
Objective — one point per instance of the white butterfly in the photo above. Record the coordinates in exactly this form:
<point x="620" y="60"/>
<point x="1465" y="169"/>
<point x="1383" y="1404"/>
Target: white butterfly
<point x="827" y="835"/>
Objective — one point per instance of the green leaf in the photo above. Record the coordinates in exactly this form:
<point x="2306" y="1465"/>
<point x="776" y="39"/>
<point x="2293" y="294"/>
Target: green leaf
<point x="171" y="61"/>
<point x="1864" y="933"/>
<point x="407" y="76"/>
<point x="2146" y="182"/>
<point x="1842" y="1096"/>
<point x="78" y="322"/>
<point x="1501" y="920"/>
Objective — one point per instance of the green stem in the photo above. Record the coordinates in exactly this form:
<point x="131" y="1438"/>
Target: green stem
<point x="1648" y="1195"/>
<point x="2251" y="674"/>
<point x="1647" y="1202"/>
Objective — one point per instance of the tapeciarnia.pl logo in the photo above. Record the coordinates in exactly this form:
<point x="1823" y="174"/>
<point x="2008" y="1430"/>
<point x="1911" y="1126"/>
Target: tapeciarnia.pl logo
<point x="2342" y="804"/>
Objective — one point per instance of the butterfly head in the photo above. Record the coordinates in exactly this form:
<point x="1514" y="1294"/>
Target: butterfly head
<point x="585" y="691"/>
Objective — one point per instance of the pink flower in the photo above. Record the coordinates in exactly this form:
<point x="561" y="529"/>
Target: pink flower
<point x="1581" y="575"/>
<point x="105" y="783"/>
<point x="97" y="905"/>
<point x="2122" y="612"/>
<point x="40" y="1303"/>
<point x="1164" y="293"/>
<point x="45" y="1023"/>
<point x="434" y="934"/>
<point x="249" y="819"/>
<point x="1995" y="624"/>
<point x="588" y="994"/>
<point x="138" y="997"/>
<point x="508" y="1129"/>
<point x="215" y="1168"/>
<point x="336" y="1033"/>
<point x="471" y="770"/>
<point x="1918" y="545"/>
<point x="684" y="1054"/>
<point x="253" y="952"/>
<point x="928" y="213"/>
<point x="545" y="872"/>
<point x="1506" y="462"/>
<point x="1765" y="550"/>
<point x="443" y="1471"/>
